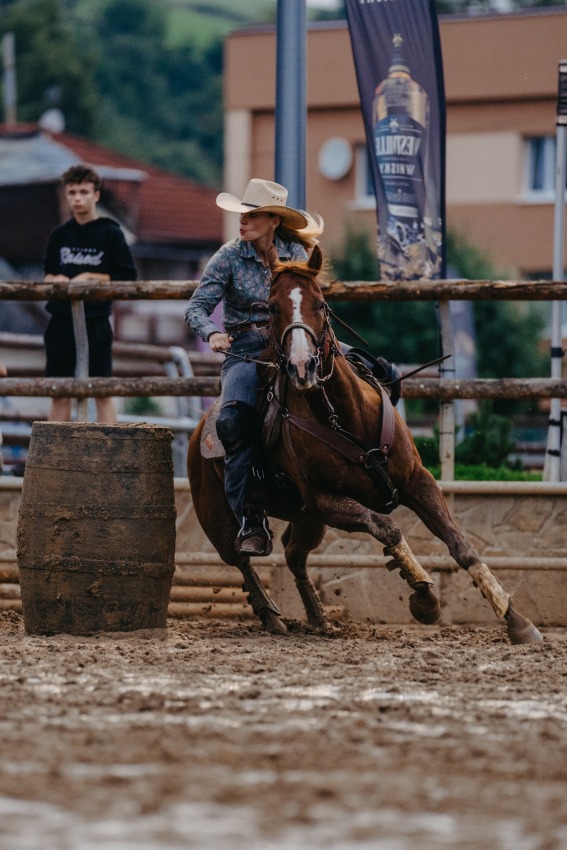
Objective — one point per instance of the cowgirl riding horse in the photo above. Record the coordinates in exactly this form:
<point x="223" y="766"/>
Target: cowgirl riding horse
<point x="239" y="276"/>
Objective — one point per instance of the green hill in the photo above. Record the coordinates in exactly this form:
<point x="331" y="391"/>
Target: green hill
<point x="197" y="22"/>
<point x="143" y="77"/>
<point x="200" y="22"/>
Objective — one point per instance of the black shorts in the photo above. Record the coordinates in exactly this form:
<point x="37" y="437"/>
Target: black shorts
<point x="60" y="347"/>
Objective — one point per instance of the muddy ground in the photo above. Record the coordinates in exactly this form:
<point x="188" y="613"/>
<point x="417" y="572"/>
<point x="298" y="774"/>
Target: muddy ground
<point x="217" y="735"/>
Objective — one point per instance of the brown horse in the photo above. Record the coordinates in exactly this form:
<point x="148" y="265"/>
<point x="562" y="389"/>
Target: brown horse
<point x="346" y="458"/>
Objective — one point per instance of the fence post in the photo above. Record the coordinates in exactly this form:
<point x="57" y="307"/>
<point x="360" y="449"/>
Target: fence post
<point x="563" y="458"/>
<point x="447" y="414"/>
<point x="82" y="354"/>
<point x="552" y="467"/>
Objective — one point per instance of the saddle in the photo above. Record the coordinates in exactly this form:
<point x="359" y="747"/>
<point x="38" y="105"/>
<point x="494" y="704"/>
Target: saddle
<point x="211" y="446"/>
<point x="212" y="449"/>
<point x="376" y="371"/>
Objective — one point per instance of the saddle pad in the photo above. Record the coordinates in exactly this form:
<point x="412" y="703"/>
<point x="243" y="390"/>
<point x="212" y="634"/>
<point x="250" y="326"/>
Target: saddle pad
<point x="211" y="446"/>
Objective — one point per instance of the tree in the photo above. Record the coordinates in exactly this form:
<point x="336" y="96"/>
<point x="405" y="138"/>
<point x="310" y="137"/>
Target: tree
<point x="507" y="333"/>
<point x="158" y="103"/>
<point x="48" y="59"/>
<point x="405" y="332"/>
<point x="448" y="7"/>
<point x="478" y="6"/>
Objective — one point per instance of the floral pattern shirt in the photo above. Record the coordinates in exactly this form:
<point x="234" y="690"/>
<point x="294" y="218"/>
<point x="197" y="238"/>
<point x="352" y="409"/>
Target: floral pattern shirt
<point x="236" y="276"/>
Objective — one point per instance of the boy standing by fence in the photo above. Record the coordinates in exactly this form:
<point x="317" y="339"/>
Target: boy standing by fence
<point x="86" y="247"/>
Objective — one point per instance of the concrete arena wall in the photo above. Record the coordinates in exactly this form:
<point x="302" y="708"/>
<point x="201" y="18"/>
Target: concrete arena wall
<point x="518" y="528"/>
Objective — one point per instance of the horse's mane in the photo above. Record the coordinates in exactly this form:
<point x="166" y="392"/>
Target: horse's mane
<point x="301" y="267"/>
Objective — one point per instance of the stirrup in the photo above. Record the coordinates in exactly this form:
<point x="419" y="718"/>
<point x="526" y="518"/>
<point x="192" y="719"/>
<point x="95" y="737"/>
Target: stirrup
<point x="254" y="538"/>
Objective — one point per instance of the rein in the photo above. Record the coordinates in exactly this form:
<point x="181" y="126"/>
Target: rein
<point x="373" y="460"/>
<point x="326" y="338"/>
<point x="248" y="359"/>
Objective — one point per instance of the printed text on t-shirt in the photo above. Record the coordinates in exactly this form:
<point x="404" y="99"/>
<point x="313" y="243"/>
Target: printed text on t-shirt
<point x="81" y="257"/>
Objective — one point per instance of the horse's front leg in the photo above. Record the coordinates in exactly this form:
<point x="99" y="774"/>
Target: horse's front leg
<point x="260" y="600"/>
<point x="300" y="537"/>
<point x="219" y="524"/>
<point x="349" y="515"/>
<point x="258" y="597"/>
<point x="425" y="498"/>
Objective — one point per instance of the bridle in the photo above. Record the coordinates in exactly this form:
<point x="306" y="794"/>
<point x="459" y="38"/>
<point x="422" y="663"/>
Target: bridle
<point x="332" y="434"/>
<point x="325" y="343"/>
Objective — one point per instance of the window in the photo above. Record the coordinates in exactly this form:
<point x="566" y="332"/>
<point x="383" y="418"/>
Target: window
<point x="364" y="183"/>
<point x="541" y="165"/>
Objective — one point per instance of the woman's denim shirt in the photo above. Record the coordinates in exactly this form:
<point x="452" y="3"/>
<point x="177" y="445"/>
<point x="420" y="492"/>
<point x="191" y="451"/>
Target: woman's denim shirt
<point x="236" y="276"/>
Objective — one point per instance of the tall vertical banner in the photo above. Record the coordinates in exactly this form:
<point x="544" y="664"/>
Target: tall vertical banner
<point x="399" y="69"/>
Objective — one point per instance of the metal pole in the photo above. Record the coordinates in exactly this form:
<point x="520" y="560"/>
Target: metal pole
<point x="291" y="99"/>
<point x="551" y="470"/>
<point x="9" y="60"/>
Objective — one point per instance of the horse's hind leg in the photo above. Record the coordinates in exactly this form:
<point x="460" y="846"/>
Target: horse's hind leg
<point x="299" y="539"/>
<point x="349" y="515"/>
<point x="427" y="501"/>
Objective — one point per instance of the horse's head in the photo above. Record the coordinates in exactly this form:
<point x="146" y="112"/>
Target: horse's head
<point x="300" y="318"/>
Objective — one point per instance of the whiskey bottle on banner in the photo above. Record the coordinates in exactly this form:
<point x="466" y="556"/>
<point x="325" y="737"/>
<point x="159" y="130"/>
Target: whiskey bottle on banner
<point x="409" y="241"/>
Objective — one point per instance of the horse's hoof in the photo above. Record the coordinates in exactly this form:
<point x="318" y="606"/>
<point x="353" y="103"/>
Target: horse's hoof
<point x="424" y="606"/>
<point x="520" y="629"/>
<point x="319" y="623"/>
<point x="272" y="622"/>
<point x="527" y="634"/>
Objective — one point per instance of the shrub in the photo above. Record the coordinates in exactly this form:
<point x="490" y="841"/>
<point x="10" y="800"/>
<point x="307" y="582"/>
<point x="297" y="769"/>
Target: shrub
<point x="482" y="455"/>
<point x="143" y="406"/>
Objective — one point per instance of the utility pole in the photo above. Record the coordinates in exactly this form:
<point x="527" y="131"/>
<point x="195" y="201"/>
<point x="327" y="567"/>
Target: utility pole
<point x="291" y="99"/>
<point x="9" y="62"/>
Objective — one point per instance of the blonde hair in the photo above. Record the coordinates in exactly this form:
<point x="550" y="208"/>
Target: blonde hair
<point x="306" y="236"/>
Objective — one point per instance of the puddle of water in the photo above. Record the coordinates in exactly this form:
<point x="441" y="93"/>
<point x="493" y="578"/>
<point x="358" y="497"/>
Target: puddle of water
<point x="190" y="826"/>
<point x="524" y="709"/>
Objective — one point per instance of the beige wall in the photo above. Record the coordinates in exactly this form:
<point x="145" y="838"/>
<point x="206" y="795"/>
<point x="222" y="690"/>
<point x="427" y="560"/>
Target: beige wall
<point x="493" y="171"/>
<point x="501" y="86"/>
<point x="517" y="528"/>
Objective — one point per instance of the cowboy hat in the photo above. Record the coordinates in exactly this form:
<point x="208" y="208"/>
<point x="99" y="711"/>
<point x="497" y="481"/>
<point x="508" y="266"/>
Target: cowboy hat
<point x="263" y="196"/>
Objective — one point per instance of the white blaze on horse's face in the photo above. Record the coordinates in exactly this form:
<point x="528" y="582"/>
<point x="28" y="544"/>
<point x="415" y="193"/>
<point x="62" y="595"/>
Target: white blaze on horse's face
<point x="300" y="352"/>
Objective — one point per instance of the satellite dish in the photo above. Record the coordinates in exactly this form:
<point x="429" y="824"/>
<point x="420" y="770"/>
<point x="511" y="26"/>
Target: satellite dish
<point x="335" y="158"/>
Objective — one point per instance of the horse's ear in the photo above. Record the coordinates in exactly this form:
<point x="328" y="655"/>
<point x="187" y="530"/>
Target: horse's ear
<point x="316" y="259"/>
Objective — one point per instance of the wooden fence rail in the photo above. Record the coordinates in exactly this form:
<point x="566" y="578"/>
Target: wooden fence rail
<point x="434" y="388"/>
<point x="418" y="290"/>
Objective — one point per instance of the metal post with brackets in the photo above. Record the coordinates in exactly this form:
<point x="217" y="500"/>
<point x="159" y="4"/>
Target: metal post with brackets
<point x="552" y="467"/>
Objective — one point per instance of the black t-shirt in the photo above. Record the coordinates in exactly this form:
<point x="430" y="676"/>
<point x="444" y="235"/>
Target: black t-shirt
<point x="98" y="246"/>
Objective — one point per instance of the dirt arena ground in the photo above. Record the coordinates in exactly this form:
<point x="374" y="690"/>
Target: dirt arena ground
<point x="217" y="735"/>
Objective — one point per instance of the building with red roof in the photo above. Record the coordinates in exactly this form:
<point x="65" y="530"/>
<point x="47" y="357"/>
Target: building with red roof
<point x="172" y="224"/>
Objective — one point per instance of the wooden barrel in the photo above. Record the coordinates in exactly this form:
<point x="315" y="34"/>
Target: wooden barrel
<point x="96" y="528"/>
